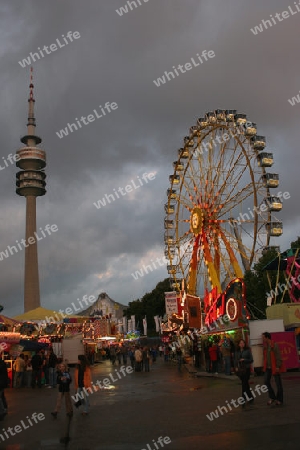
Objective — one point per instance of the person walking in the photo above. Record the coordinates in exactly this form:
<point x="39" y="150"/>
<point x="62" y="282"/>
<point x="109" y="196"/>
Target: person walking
<point x="63" y="380"/>
<point x="273" y="366"/>
<point x="83" y="382"/>
<point x="243" y="361"/>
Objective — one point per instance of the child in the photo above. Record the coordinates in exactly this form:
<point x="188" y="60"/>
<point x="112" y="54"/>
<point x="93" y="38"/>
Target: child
<point x="63" y="380"/>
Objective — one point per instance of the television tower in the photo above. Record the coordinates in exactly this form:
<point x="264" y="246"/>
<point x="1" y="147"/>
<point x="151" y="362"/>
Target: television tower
<point x="31" y="184"/>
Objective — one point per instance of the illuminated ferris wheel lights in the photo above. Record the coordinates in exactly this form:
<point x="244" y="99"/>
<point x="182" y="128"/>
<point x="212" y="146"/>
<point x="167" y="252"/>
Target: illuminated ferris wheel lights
<point x="170" y="209"/>
<point x="169" y="240"/>
<point x="189" y="142"/>
<point x="171" y="269"/>
<point x="250" y="129"/>
<point x="230" y="115"/>
<point x="271" y="180"/>
<point x="183" y="153"/>
<point x="175" y="179"/>
<point x="169" y="224"/>
<point x="171" y="193"/>
<point x="178" y="166"/>
<point x="240" y="119"/>
<point x="274" y="228"/>
<point x="265" y="159"/>
<point x="273" y="203"/>
<point x="202" y="123"/>
<point x="194" y="130"/>
<point x="258" y="142"/>
<point x="220" y="113"/>
<point x="211" y="117"/>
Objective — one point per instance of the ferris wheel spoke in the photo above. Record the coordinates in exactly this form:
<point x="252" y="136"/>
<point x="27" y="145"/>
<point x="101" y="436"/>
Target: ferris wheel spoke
<point x="231" y="175"/>
<point x="236" y="199"/>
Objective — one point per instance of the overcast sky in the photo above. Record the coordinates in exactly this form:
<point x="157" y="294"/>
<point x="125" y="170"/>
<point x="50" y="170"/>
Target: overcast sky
<point x="116" y="60"/>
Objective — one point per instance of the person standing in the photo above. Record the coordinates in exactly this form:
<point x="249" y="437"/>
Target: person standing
<point x="138" y="357"/>
<point x="28" y="371"/>
<point x="124" y="352"/>
<point x="179" y="357"/>
<point x="19" y="368"/>
<point x="166" y="353"/>
<point x="243" y="361"/>
<point x="213" y="356"/>
<point x="4" y="381"/>
<point x="273" y="366"/>
<point x="119" y="355"/>
<point x="226" y="354"/>
<point x="160" y="349"/>
<point x="36" y="363"/>
<point x="83" y="382"/>
<point x="113" y="354"/>
<point x="52" y="362"/>
<point x="206" y="356"/>
<point x="146" y="359"/>
<point x="63" y="380"/>
<point x="131" y="357"/>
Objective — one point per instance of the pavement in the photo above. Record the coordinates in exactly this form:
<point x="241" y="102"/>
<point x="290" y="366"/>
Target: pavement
<point x="139" y="408"/>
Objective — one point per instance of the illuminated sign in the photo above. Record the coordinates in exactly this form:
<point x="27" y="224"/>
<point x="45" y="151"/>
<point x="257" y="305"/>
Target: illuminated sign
<point x="232" y="309"/>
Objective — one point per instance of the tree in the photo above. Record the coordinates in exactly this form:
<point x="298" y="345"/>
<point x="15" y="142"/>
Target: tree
<point x="296" y="244"/>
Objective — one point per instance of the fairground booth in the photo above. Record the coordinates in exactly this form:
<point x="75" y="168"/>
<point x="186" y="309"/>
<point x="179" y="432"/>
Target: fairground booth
<point x="195" y="324"/>
<point x="284" y="299"/>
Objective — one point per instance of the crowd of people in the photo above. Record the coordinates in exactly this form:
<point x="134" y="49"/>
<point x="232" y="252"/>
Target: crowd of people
<point x="220" y="355"/>
<point x="224" y="356"/>
<point x="37" y="370"/>
<point x="140" y="357"/>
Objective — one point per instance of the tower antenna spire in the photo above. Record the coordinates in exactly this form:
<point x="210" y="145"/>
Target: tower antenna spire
<point x="31" y="119"/>
<point x="31" y="139"/>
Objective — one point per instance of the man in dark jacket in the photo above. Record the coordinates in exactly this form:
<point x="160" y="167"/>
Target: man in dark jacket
<point x="36" y="362"/>
<point x="3" y="384"/>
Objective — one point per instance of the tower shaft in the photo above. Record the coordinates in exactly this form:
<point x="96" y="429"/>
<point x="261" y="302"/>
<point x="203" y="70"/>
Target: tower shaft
<point x="31" y="284"/>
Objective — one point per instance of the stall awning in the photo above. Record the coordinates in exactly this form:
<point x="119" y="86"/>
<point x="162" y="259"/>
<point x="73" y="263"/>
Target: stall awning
<point x="280" y="262"/>
<point x="37" y="314"/>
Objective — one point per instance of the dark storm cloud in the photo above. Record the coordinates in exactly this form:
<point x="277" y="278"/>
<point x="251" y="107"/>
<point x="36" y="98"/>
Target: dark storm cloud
<point x="116" y="59"/>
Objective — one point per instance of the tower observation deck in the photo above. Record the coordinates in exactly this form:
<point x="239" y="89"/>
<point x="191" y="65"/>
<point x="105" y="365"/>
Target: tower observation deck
<point x="31" y="184"/>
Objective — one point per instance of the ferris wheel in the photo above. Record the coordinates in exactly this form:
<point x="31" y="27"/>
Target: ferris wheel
<point x="221" y="203"/>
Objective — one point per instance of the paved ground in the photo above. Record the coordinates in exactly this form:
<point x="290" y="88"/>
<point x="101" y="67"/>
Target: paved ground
<point x="141" y="407"/>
